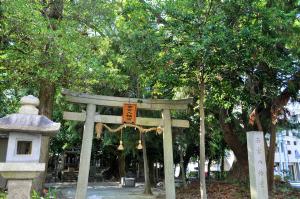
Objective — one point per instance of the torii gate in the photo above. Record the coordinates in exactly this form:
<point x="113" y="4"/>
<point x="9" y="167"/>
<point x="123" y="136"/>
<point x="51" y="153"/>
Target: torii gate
<point x="90" y="117"/>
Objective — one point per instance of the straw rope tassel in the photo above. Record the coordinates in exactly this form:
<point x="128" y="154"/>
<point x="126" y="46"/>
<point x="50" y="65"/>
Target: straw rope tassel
<point x="99" y="130"/>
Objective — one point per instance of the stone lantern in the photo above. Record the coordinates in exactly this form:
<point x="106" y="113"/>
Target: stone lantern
<point x="25" y="130"/>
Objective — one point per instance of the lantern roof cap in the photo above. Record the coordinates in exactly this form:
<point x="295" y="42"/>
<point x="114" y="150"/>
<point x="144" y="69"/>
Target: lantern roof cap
<point x="28" y="120"/>
<point x="28" y="123"/>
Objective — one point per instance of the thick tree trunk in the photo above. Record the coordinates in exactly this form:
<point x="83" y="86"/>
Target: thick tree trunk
<point x="202" y="142"/>
<point x="270" y="158"/>
<point x="240" y="168"/>
<point x="46" y="96"/>
<point x="277" y="105"/>
<point x="147" y="188"/>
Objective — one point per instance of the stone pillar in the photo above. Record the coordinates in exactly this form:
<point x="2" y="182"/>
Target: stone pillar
<point x="168" y="155"/>
<point x="19" y="189"/>
<point x="257" y="165"/>
<point x="85" y="155"/>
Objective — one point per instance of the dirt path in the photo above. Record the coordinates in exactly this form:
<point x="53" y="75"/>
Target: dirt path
<point x="225" y="190"/>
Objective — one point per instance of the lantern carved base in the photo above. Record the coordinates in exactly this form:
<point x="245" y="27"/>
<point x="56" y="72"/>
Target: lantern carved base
<point x="19" y="189"/>
<point x="19" y="176"/>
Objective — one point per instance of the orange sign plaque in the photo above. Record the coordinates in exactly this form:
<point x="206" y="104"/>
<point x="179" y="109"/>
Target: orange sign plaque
<point x="129" y="113"/>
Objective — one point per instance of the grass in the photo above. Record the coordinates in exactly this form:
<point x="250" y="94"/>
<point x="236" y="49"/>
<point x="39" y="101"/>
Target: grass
<point x="35" y="195"/>
<point x="2" y="195"/>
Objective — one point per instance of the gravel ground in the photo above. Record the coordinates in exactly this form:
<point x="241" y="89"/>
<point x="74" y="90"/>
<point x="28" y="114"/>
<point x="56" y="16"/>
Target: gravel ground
<point x="106" y="190"/>
<point x="215" y="190"/>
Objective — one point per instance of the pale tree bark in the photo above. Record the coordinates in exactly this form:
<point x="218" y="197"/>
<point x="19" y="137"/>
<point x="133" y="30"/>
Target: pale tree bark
<point x="203" y="194"/>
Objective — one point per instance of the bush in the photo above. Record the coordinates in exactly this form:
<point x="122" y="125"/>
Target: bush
<point x="277" y="179"/>
<point x="2" y="195"/>
<point x="47" y="194"/>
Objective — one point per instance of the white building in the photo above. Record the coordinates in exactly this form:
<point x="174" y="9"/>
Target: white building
<point x="287" y="154"/>
<point x="215" y="166"/>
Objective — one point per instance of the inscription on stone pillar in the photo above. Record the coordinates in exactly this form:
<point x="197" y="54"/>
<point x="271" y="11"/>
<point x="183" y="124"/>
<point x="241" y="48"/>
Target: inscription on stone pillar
<point x="257" y="165"/>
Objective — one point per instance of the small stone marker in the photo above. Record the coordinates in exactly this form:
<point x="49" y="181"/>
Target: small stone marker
<point x="127" y="182"/>
<point x="257" y="165"/>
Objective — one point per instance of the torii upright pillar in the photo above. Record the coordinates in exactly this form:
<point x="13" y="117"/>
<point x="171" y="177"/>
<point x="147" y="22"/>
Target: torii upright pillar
<point x="85" y="155"/>
<point x="168" y="155"/>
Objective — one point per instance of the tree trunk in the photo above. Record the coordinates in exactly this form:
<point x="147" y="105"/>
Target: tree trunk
<point x="208" y="168"/>
<point x="202" y="142"/>
<point x="151" y="169"/>
<point x="154" y="175"/>
<point x="222" y="163"/>
<point x="182" y="168"/>
<point x="138" y="170"/>
<point x="239" y="169"/>
<point x="46" y="97"/>
<point x="121" y="161"/>
<point x="185" y="164"/>
<point x="147" y="188"/>
<point x="270" y="158"/>
<point x="187" y="156"/>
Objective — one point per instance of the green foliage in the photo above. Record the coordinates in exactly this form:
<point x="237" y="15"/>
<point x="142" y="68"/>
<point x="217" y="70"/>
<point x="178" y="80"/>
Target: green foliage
<point x="73" y="52"/>
<point x="51" y="194"/>
<point x="66" y="52"/>
<point x="3" y="195"/>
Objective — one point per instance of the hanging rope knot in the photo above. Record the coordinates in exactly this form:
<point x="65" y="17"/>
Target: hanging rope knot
<point x="99" y="130"/>
<point x="159" y="130"/>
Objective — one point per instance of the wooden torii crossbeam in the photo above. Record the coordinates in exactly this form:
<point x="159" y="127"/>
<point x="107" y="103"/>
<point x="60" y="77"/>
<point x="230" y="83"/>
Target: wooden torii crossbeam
<point x="90" y="117"/>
